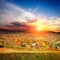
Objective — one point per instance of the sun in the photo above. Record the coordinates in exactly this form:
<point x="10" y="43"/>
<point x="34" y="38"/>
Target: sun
<point x="38" y="28"/>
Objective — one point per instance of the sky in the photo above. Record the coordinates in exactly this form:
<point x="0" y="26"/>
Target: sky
<point x="18" y="14"/>
<point x="51" y="7"/>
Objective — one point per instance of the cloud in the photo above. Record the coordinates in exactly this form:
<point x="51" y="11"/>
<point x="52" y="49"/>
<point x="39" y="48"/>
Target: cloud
<point x="14" y="16"/>
<point x="10" y="13"/>
<point x="17" y="24"/>
<point x="32" y="20"/>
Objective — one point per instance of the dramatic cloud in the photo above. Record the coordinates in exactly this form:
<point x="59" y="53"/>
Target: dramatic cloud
<point x="14" y="16"/>
<point x="10" y="13"/>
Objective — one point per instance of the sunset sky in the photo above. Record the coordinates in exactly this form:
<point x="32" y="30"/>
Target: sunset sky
<point x="24" y="14"/>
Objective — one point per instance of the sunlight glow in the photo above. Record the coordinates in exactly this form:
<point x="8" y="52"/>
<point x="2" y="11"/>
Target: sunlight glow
<point x="38" y="28"/>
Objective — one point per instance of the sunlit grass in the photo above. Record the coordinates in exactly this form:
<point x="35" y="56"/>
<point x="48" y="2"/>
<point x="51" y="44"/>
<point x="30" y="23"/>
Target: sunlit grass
<point x="30" y="56"/>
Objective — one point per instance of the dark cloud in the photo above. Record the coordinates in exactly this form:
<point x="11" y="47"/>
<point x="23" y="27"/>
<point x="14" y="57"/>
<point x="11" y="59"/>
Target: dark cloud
<point x="17" y="24"/>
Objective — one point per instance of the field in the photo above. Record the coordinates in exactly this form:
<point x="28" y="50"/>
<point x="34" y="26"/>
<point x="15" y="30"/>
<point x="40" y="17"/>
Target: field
<point x="44" y="41"/>
<point x="30" y="56"/>
<point x="26" y="46"/>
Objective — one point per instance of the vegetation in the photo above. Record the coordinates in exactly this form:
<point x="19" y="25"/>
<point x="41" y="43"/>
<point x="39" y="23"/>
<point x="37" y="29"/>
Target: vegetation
<point x="28" y="41"/>
<point x="30" y="56"/>
<point x="45" y="43"/>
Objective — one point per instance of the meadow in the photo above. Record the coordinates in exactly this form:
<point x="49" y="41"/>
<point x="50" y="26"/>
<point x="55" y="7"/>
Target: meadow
<point x="30" y="56"/>
<point x="26" y="46"/>
<point x="29" y="41"/>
